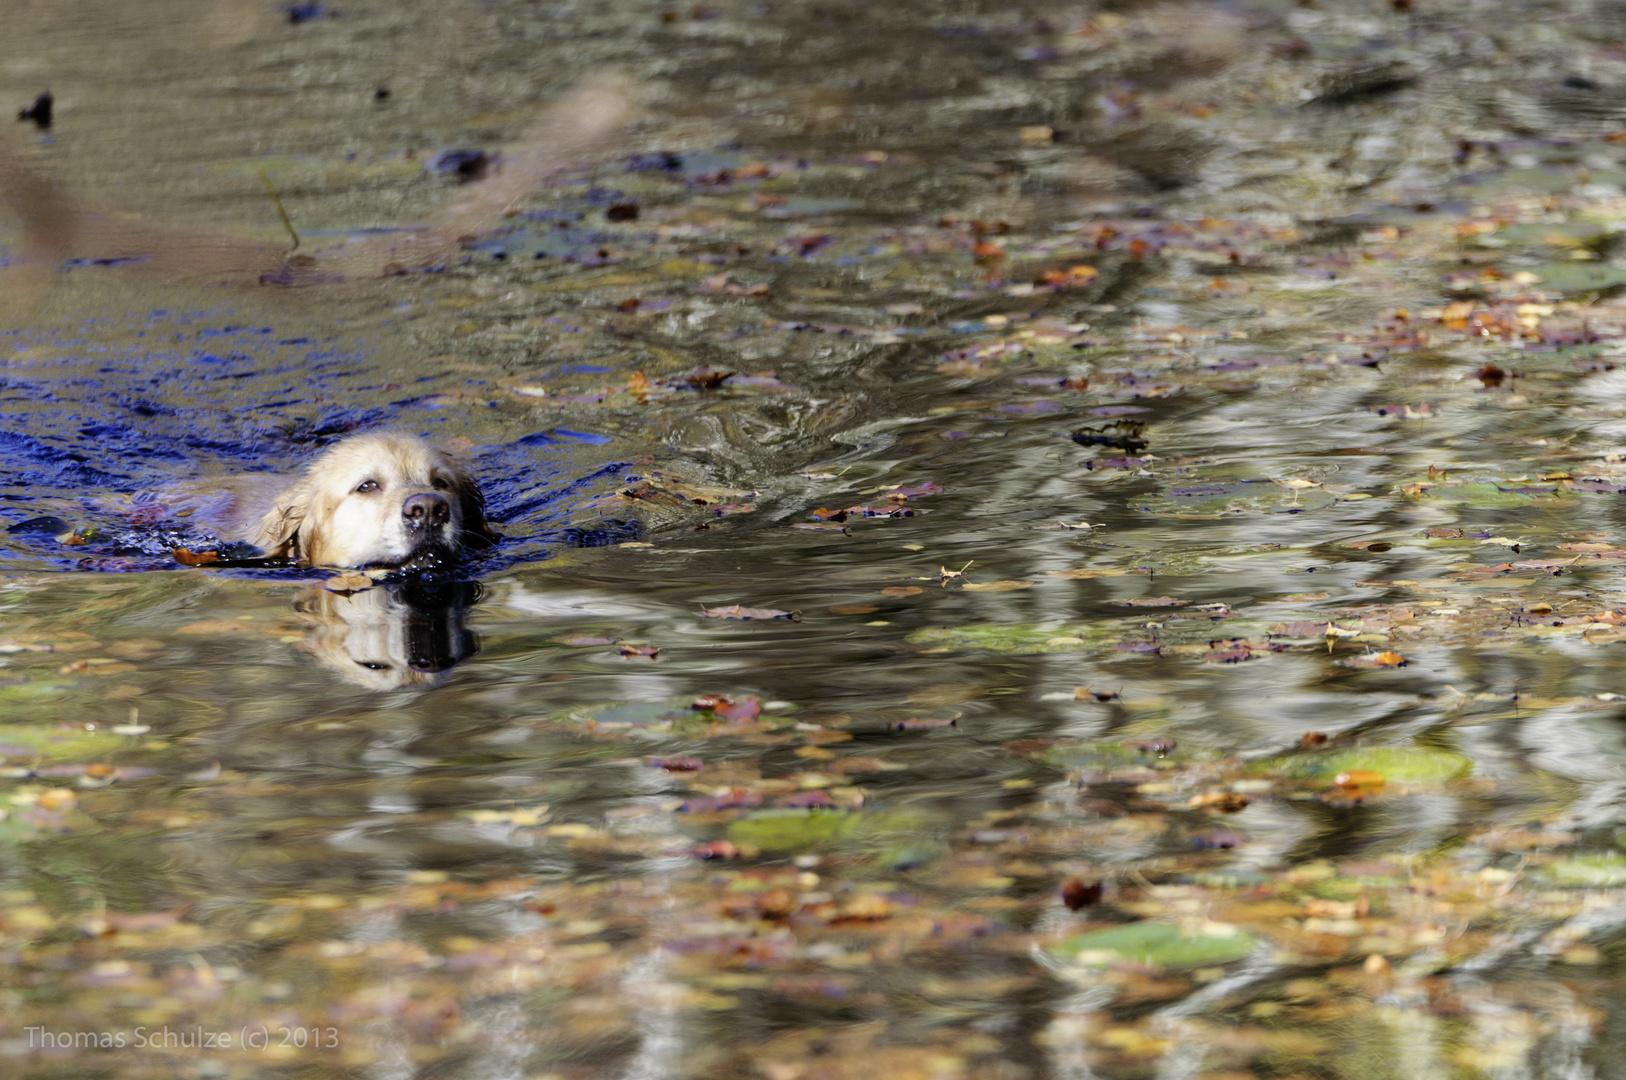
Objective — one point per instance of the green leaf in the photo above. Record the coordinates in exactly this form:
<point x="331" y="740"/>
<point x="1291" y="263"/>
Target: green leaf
<point x="1396" y="764"/>
<point x="1017" y="638"/>
<point x="1156" y="945"/>
<point x="1580" y="277"/>
<point x="791" y="830"/>
<point x="1602" y="870"/>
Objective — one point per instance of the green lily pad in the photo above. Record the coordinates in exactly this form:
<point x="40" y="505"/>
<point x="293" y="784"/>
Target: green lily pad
<point x="909" y="855"/>
<point x="1602" y="870"/>
<point x="1156" y="945"/>
<point x="1018" y="638"/>
<point x="1547" y="178"/>
<point x="675" y="716"/>
<point x="1580" y="277"/>
<point x="1237" y="496"/>
<point x="1483" y="494"/>
<point x="51" y="742"/>
<point x="1396" y="764"/>
<point x="1125" y="752"/>
<point x="791" y="830"/>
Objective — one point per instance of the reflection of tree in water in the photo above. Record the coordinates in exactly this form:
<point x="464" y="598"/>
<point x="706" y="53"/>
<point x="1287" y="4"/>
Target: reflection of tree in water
<point x="392" y="636"/>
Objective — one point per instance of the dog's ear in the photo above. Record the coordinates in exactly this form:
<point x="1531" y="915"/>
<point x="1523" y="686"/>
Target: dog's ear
<point x="477" y="531"/>
<point x="278" y="533"/>
<point x="471" y="504"/>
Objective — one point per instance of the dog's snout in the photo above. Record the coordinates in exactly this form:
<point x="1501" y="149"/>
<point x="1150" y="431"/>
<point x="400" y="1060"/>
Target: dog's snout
<point x="426" y="508"/>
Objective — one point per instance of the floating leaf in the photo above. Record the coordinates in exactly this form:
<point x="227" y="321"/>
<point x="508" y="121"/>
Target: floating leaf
<point x="1372" y="661"/>
<point x="1603" y="870"/>
<point x="1009" y="637"/>
<point x="905" y="492"/>
<point x="735" y="611"/>
<point x="1396" y="764"/>
<point x="790" y="829"/>
<point x="1157" y="945"/>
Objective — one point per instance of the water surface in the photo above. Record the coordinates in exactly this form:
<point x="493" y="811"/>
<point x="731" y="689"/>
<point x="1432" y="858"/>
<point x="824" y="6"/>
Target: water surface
<point x="1171" y="453"/>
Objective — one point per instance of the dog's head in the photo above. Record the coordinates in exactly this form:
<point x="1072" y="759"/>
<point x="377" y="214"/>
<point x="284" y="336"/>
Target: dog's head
<point x="385" y="499"/>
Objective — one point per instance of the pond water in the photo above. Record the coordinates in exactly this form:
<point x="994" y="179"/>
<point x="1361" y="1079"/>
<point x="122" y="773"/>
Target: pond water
<point x="1039" y="542"/>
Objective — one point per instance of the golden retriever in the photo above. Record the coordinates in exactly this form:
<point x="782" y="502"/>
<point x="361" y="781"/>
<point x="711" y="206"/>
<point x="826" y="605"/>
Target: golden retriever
<point x="382" y="499"/>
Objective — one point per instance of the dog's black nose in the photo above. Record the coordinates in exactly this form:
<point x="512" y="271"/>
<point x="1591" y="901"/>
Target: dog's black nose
<point x="426" y="508"/>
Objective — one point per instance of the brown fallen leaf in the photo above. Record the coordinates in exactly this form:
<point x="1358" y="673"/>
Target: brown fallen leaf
<point x="1375" y="660"/>
<point x="639" y="652"/>
<point x="735" y="611"/>
<point x="747" y="708"/>
<point x="1303" y="628"/>
<point x="854" y="609"/>
<point x="867" y="907"/>
<point x="1226" y="802"/>
<point x="997" y="586"/>
<point x="716" y="849"/>
<point x="916" y="724"/>
<point x="1077" y="893"/>
<point x="195" y="558"/>
<point x="1233" y="654"/>
<point x="899" y="591"/>
<point x="704" y="377"/>
<point x="905" y="492"/>
<point x="776" y="904"/>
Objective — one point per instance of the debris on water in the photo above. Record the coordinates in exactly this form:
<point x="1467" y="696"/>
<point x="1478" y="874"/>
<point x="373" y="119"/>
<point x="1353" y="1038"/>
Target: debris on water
<point x="735" y="611"/>
<point x="39" y="112"/>
<point x="1126" y="435"/>
<point x="305" y="12"/>
<point x="1077" y="894"/>
<point x="466" y="164"/>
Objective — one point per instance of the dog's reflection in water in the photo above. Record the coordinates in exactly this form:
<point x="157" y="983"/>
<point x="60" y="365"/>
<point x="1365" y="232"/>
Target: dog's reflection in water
<point x="392" y="636"/>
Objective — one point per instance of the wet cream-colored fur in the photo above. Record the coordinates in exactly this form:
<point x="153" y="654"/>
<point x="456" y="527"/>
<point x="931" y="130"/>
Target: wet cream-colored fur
<point x="346" y="509"/>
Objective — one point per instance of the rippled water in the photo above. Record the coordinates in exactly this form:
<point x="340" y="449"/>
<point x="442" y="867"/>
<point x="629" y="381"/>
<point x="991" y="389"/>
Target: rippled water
<point x="1172" y="453"/>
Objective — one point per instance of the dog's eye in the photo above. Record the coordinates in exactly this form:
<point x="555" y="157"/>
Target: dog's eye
<point x="366" y="486"/>
<point x="440" y="483"/>
<point x="374" y="665"/>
